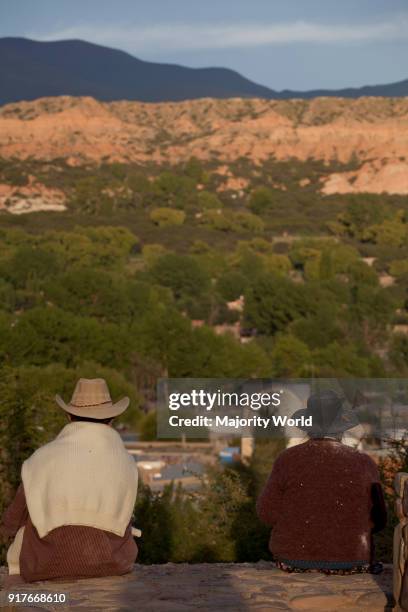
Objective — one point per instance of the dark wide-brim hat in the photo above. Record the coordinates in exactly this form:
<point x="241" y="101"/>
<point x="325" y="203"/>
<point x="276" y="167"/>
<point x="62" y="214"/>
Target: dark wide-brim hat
<point x="331" y="414"/>
<point x="91" y="398"/>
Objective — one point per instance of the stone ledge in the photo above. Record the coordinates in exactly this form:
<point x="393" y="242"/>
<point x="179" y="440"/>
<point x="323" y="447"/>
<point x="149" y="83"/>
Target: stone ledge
<point x="214" y="587"/>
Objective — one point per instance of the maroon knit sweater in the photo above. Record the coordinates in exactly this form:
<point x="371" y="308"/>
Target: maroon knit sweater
<point x="323" y="500"/>
<point x="70" y="551"/>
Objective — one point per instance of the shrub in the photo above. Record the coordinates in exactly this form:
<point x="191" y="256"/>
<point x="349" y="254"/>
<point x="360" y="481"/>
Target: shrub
<point x="230" y="221"/>
<point x="209" y="200"/>
<point x="261" y="199"/>
<point x="248" y="221"/>
<point x="217" y="220"/>
<point x="152" y="252"/>
<point x="164" y="217"/>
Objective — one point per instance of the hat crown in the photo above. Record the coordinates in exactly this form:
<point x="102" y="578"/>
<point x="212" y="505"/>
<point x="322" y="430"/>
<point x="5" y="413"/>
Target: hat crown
<point x="91" y="392"/>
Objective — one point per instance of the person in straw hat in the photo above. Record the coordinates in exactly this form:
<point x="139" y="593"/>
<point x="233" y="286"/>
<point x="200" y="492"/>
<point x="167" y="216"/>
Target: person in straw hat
<point x="323" y="499"/>
<point x="71" y="516"/>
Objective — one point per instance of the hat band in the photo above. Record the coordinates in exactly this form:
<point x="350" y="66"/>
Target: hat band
<point x="90" y="405"/>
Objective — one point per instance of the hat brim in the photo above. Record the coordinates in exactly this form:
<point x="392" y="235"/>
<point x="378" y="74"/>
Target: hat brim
<point x="346" y="422"/>
<point x="101" y="411"/>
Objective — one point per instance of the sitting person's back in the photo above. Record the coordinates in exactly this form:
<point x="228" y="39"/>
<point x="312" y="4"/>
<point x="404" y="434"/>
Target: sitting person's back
<point x="71" y="516"/>
<point x="323" y="501"/>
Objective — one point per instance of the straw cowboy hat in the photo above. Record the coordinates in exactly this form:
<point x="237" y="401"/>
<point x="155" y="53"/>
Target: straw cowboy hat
<point x="91" y="398"/>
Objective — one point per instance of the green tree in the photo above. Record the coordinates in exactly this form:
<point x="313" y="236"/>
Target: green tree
<point x="153" y="513"/>
<point x="399" y="352"/>
<point x="92" y="293"/>
<point x="391" y="232"/>
<point x="399" y="268"/>
<point x="370" y="311"/>
<point x="360" y="215"/>
<point x="105" y="247"/>
<point x="91" y="196"/>
<point x="182" y="274"/>
<point x="231" y="285"/>
<point x="320" y="328"/>
<point x="272" y="303"/>
<point x="175" y="191"/>
<point x="29" y="266"/>
<point x="148" y="427"/>
<point x="46" y="335"/>
<point x="290" y="357"/>
<point x="194" y="169"/>
<point x="343" y="360"/>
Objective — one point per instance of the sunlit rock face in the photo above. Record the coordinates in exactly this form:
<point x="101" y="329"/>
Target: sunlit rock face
<point x="372" y="133"/>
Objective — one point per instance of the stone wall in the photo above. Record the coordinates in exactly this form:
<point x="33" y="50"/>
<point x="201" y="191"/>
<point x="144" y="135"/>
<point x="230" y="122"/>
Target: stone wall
<point x="400" y="546"/>
<point x="218" y="587"/>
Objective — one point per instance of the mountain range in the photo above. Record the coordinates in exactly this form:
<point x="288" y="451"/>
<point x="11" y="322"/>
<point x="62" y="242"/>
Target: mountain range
<point x="31" y="69"/>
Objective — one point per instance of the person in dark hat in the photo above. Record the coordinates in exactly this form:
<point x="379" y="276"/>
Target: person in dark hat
<point x="71" y="516"/>
<point x="323" y="499"/>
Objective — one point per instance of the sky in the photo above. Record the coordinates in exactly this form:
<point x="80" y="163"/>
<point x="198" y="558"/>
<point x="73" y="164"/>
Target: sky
<point x="283" y="44"/>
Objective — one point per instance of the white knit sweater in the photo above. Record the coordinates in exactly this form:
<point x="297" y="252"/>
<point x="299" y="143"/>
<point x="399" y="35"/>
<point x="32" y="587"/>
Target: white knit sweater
<point x="83" y="477"/>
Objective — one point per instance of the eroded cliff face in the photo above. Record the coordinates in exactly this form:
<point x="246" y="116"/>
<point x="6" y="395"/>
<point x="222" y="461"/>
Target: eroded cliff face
<point x="33" y="197"/>
<point x="371" y="131"/>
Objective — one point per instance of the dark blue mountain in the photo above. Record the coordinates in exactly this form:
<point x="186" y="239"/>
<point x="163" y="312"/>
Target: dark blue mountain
<point x="30" y="69"/>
